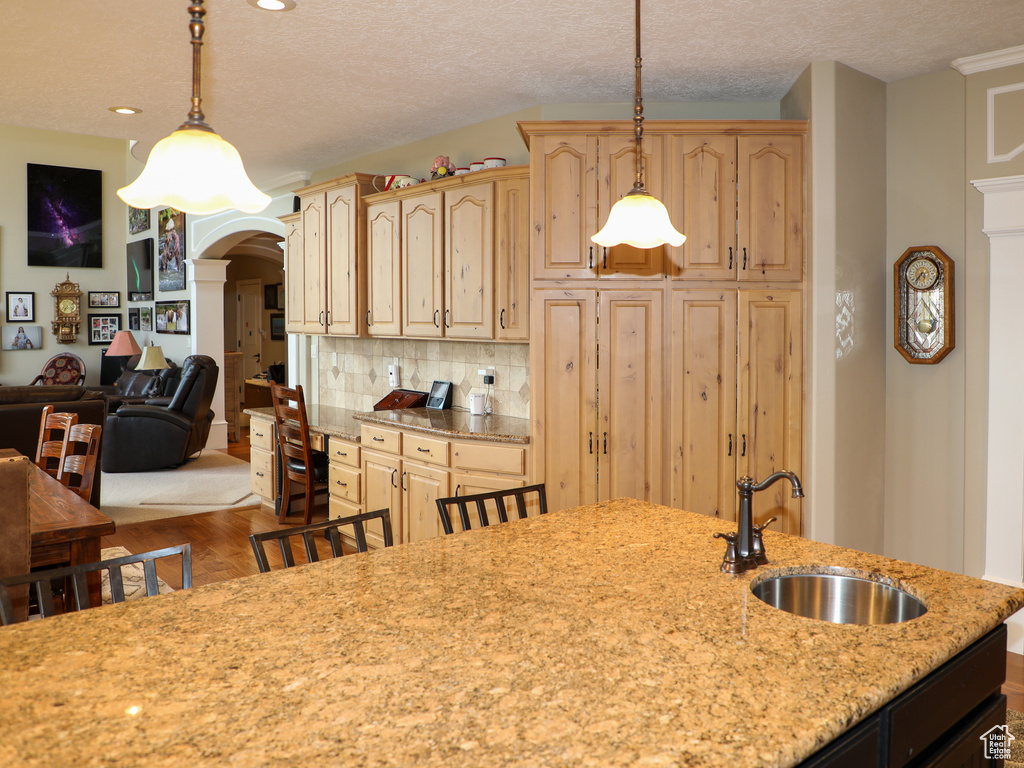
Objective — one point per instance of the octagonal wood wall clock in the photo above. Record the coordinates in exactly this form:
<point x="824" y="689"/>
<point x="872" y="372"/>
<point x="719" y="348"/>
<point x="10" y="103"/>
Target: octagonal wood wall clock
<point x="923" y="315"/>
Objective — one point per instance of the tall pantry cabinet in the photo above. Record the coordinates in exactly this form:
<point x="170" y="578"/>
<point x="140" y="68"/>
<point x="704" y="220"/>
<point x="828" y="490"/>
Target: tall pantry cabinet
<point x="665" y="374"/>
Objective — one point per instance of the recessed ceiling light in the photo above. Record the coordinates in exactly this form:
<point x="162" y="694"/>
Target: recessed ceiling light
<point x="125" y="110"/>
<point x="273" y="5"/>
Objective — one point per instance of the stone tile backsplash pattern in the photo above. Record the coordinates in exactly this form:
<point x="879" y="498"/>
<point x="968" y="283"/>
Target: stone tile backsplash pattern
<point x="354" y="372"/>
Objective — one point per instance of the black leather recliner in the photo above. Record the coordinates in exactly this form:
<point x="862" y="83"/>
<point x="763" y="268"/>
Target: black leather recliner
<point x="141" y="438"/>
<point x="138" y="385"/>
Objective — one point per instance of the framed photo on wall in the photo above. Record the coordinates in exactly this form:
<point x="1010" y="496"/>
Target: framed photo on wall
<point x="65" y="217"/>
<point x="172" y="316"/>
<point x="103" y="327"/>
<point x="138" y="220"/>
<point x="171" y="249"/>
<point x="140" y="270"/>
<point x="21" y="307"/>
<point x="145" y="318"/>
<point x="277" y="326"/>
<point x="109" y="299"/>
<point x="17" y="337"/>
<point x="133" y="319"/>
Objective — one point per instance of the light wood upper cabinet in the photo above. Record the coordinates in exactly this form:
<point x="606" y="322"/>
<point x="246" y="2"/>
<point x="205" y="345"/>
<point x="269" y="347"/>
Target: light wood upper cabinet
<point x="770" y="205"/>
<point x="384" y="270"/>
<point x="346" y="290"/>
<point x="512" y="258"/>
<point x="563" y="186"/>
<point x="702" y="419"/>
<point x="563" y="406"/>
<point x="702" y="205"/>
<point x="617" y="167"/>
<point x="631" y="395"/>
<point x="422" y="265"/>
<point x="770" y="397"/>
<point x="306" y="269"/>
<point x="469" y="262"/>
<point x="295" y="284"/>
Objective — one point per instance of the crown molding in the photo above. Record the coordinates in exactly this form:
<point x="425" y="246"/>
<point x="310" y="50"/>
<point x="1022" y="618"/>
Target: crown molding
<point x="969" y="65"/>
<point x="293" y="179"/>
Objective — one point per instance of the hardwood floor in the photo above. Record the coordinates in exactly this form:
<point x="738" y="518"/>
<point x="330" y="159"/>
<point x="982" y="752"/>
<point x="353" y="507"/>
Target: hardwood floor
<point x="221" y="551"/>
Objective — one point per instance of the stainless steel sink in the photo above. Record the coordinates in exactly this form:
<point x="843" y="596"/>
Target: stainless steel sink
<point x="839" y="598"/>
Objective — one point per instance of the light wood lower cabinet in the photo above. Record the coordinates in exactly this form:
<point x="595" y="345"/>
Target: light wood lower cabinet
<point x="262" y="453"/>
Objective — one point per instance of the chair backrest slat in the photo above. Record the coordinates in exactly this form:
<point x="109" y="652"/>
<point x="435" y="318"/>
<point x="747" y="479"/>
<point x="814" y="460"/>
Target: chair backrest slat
<point x="331" y="531"/>
<point x="523" y="496"/>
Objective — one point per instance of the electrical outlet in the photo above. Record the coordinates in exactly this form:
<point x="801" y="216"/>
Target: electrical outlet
<point x="486" y="374"/>
<point x="393" y="377"/>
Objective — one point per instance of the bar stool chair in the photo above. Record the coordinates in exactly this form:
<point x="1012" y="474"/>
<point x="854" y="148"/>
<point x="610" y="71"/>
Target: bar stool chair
<point x="80" y="462"/>
<point x="300" y="462"/>
<point x="50" y="447"/>
<point x="331" y="532"/>
<point x="524" y="496"/>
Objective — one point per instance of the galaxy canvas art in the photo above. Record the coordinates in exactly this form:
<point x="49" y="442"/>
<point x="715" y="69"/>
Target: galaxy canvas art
<point x="65" y="217"/>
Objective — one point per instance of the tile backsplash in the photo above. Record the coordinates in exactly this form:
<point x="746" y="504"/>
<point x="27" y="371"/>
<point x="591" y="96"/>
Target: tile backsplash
<point x="354" y="372"/>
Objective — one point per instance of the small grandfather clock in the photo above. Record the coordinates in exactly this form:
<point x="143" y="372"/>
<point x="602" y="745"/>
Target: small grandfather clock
<point x="67" y="297"/>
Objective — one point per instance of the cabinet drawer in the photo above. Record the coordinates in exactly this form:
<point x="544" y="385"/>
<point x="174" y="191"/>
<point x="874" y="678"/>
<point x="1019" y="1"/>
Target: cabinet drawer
<point x="344" y="483"/>
<point x="343" y="452"/>
<point x="261" y="434"/>
<point x="426" y="449"/>
<point x="490" y="458"/>
<point x="381" y="439"/>
<point x="261" y="473"/>
<point x="935" y="705"/>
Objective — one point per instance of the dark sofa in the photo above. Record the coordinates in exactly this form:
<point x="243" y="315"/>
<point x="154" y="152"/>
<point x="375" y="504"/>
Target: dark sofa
<point x="134" y="385"/>
<point x="22" y="407"/>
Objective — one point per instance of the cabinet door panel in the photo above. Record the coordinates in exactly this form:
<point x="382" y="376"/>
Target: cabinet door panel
<point x="294" y="276"/>
<point x="770" y="183"/>
<point x="421" y="488"/>
<point x="311" y="275"/>
<point x="631" y="394"/>
<point x="384" y="272"/>
<point x="702" y="463"/>
<point x="343" y="305"/>
<point x="382" y="490"/>
<point x="564" y="401"/>
<point x="618" y="174"/>
<point x="563" y="192"/>
<point x="469" y="262"/>
<point x="512" y="259"/>
<point x="464" y="484"/>
<point x="703" y="205"/>
<point x="770" y="398"/>
<point x="422" y="265"/>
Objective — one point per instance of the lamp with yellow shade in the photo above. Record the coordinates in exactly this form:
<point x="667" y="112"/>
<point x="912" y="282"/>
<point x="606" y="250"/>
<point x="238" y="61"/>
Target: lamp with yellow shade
<point x="152" y="360"/>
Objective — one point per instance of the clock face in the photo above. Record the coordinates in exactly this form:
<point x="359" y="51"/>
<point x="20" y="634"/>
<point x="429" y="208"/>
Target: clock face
<point x="922" y="273"/>
<point x="68" y="306"/>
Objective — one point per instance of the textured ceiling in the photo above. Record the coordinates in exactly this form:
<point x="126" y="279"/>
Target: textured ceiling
<point x="332" y="80"/>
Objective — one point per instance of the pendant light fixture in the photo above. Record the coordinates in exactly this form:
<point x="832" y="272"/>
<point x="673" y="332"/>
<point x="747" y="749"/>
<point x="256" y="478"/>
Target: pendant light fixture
<point x="638" y="219"/>
<point x="194" y="169"/>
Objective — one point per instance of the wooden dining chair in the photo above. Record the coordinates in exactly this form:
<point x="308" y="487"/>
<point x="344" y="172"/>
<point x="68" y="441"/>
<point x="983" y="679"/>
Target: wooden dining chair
<point x="81" y="452"/>
<point x="332" y="532"/>
<point x="77" y="598"/>
<point x="524" y="496"/>
<point x="54" y="430"/>
<point x="300" y="462"/>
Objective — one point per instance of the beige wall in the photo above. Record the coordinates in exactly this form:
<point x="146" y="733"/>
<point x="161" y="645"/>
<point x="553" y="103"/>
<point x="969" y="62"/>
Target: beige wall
<point x="18" y="147"/>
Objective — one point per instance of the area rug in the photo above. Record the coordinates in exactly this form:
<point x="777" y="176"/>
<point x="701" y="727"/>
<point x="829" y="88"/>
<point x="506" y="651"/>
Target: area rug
<point x="1015" y="720"/>
<point x="133" y="577"/>
<point x="211" y="482"/>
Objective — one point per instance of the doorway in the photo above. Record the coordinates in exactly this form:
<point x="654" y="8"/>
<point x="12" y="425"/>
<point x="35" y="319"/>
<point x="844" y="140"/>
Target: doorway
<point x="249" y="326"/>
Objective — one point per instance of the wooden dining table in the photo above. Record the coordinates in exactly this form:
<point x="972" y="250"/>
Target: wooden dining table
<point x="65" y="528"/>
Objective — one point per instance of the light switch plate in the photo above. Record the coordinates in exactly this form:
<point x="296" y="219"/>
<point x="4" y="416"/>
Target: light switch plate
<point x="393" y="376"/>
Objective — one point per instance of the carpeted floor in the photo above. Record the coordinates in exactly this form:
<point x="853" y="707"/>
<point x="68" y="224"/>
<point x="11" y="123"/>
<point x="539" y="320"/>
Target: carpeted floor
<point x="211" y="482"/>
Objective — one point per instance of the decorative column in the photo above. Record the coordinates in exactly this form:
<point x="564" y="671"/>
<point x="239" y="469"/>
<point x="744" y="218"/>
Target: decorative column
<point x="1004" y="513"/>
<point x="206" y="280"/>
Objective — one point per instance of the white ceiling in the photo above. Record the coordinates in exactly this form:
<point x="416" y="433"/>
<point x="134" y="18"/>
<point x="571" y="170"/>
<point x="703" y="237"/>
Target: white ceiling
<point x="333" y="80"/>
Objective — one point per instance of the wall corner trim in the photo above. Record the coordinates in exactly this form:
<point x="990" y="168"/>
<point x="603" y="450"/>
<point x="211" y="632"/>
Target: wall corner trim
<point x="982" y="62"/>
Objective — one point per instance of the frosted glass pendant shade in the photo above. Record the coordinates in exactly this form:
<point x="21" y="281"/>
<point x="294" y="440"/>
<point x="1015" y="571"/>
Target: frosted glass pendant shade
<point x="195" y="171"/>
<point x="640" y="220"/>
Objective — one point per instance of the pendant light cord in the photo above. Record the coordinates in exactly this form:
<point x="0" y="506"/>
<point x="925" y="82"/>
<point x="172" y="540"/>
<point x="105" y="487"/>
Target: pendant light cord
<point x="638" y="113"/>
<point x="196" y="118"/>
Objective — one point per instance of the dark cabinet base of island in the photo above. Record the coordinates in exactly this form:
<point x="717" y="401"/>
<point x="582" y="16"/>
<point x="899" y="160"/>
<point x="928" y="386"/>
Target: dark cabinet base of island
<point x="938" y="723"/>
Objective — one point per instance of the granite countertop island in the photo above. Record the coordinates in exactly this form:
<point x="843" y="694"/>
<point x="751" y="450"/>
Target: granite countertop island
<point x="598" y="636"/>
<point x="451" y="423"/>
